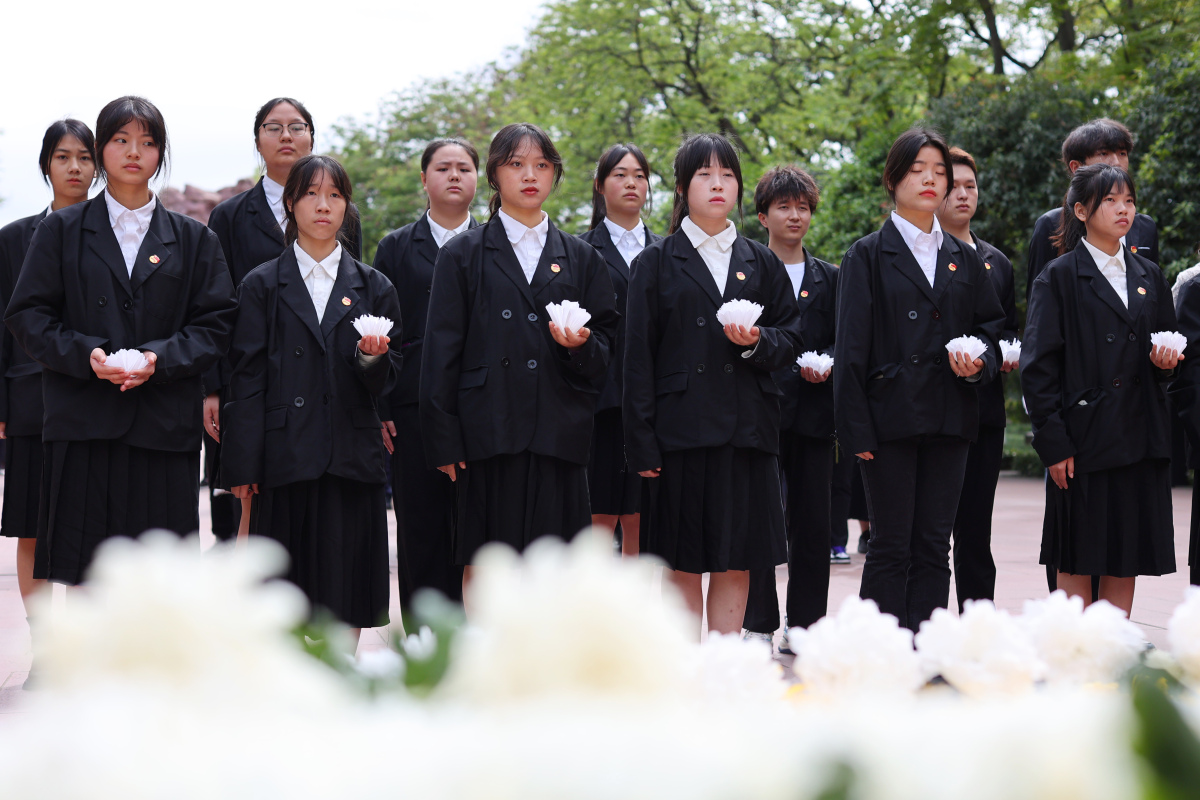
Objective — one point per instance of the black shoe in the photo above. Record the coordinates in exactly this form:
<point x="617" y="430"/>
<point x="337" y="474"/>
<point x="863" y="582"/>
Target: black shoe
<point x="864" y="541"/>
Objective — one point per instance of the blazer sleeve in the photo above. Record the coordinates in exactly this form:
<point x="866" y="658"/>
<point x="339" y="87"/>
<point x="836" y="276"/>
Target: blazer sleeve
<point x="1042" y="358"/>
<point x="590" y="361"/>
<point x="219" y="223"/>
<point x="243" y="418"/>
<point x="379" y="375"/>
<point x="1185" y="389"/>
<point x="6" y="337"/>
<point x="1041" y="253"/>
<point x="987" y="323"/>
<point x="34" y="313"/>
<point x="852" y="353"/>
<point x="441" y="362"/>
<point x="384" y="264"/>
<point x="641" y="345"/>
<point x="204" y="338"/>
<point x="1008" y="301"/>
<point x="781" y="337"/>
<point x="1165" y="318"/>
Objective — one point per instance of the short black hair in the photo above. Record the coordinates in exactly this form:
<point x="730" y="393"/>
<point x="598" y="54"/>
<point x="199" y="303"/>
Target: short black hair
<point x="960" y="156"/>
<point x="58" y="130"/>
<point x="305" y="173"/>
<point x="1089" y="185"/>
<point x="1092" y="137"/>
<point x="785" y="182"/>
<point x="694" y="154"/>
<point x="124" y="110"/>
<point x="604" y="167"/>
<point x="903" y="154"/>
<point x="507" y="142"/>
<point x="269" y="106"/>
<point x="450" y="141"/>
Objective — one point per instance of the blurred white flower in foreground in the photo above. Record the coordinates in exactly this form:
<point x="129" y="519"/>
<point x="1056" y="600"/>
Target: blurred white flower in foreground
<point x="727" y="669"/>
<point x="1183" y="636"/>
<point x="567" y="619"/>
<point x="1096" y="645"/>
<point x="860" y="650"/>
<point x="982" y="652"/>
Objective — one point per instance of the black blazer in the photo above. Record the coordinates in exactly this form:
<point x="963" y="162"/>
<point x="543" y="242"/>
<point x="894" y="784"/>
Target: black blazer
<point x="493" y="380"/>
<point x="1090" y="387"/>
<point x="997" y="267"/>
<point x="75" y="294"/>
<point x="891" y="372"/>
<point x="1142" y="239"/>
<point x="686" y="385"/>
<point x="618" y="273"/>
<point x="20" y="376"/>
<point x="1185" y="389"/>
<point x="406" y="257"/>
<point x="300" y="403"/>
<point x="806" y="409"/>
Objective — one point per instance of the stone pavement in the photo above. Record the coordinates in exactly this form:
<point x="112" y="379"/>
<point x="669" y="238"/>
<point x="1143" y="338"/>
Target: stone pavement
<point x="1015" y="543"/>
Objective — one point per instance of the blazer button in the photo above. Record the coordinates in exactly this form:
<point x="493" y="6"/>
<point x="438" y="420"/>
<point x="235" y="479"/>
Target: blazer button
<point x="428" y="289"/>
<point x="128" y="304"/>
<point x="937" y="360"/>
<point x="936" y="314"/>
<point x="701" y="321"/>
<point x="325" y="399"/>
<point x="504" y="362"/>
<point x="506" y="314"/>
<point x="1133" y="337"/>
<point x="795" y="367"/>
<point x="912" y="315"/>
<point x="1116" y="383"/>
<point x="914" y="359"/>
<point x="532" y="317"/>
<point x="616" y="296"/>
<point x="729" y="369"/>
<point x="1112" y="337"/>
<point x="299" y="351"/>
<point x="759" y="360"/>
<point x="531" y="364"/>
<point x="1137" y="380"/>
<point x="699" y="368"/>
<point x="298" y="402"/>
<point x="102" y="302"/>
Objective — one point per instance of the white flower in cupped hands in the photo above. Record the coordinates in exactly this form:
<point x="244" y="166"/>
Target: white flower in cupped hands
<point x="727" y="668"/>
<point x="984" y="651"/>
<point x="1183" y="636"/>
<point x="860" y="650"/>
<point x="567" y="619"/>
<point x="1096" y="645"/>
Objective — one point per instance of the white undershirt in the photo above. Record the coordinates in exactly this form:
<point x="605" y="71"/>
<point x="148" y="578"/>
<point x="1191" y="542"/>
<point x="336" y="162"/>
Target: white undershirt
<point x="527" y="243"/>
<point x="130" y="226"/>
<point x="1112" y="268"/>
<point x="715" y="250"/>
<point x="924" y="246"/>
<point x="274" y="194"/>
<point x="442" y="235"/>
<point x="796" y="273"/>
<point x="629" y="243"/>
<point x="318" y="276"/>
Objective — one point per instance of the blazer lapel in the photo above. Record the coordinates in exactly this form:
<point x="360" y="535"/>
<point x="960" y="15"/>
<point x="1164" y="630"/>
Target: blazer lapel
<point x="611" y="254"/>
<point x="426" y="245"/>
<point x="154" y="251"/>
<point x="103" y="242"/>
<point x="344" y="289"/>
<point x="811" y="285"/>
<point x="496" y="240"/>
<point x="295" y="294"/>
<point x="947" y="256"/>
<point x="902" y="259"/>
<point x="1135" y="278"/>
<point x="264" y="218"/>
<point x="1085" y="267"/>
<point x="554" y="254"/>
<point x="27" y="234"/>
<point x="741" y="268"/>
<point x="694" y="266"/>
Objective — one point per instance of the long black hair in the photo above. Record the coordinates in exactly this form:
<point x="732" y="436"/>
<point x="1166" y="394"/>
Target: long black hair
<point x="604" y="167"/>
<point x="124" y="110"/>
<point x="507" y="142"/>
<point x="304" y="174"/>
<point x="59" y="130"/>
<point x="694" y="154"/>
<point x="1089" y="186"/>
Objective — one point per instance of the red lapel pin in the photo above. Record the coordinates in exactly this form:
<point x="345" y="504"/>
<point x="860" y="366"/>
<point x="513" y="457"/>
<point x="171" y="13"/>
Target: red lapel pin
<point x="154" y="259"/>
<point x="804" y="293"/>
<point x="555" y="268"/>
<point x="953" y="267"/>
<point x="741" y="276"/>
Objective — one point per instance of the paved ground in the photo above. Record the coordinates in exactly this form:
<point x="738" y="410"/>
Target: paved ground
<point x="1016" y="538"/>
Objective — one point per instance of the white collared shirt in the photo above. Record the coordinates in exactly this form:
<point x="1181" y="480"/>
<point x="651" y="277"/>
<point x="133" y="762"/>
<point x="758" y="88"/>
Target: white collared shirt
<point x="1112" y="268"/>
<point x="924" y="246"/>
<point x="274" y="194"/>
<point x="442" y="235"/>
<point x="796" y="273"/>
<point x="130" y="226"/>
<point x="629" y="243"/>
<point x="715" y="250"/>
<point x="527" y="243"/>
<point x="318" y="276"/>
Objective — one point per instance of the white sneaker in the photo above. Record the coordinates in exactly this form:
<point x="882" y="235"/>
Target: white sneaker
<point x="755" y="636"/>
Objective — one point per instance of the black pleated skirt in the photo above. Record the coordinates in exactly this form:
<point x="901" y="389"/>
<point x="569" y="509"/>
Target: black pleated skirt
<point x="335" y="531"/>
<point x="1114" y="522"/>
<point x="517" y="498"/>
<point x="614" y="488"/>
<point x="94" y="490"/>
<point x="715" y="509"/>
<point x="22" y="487"/>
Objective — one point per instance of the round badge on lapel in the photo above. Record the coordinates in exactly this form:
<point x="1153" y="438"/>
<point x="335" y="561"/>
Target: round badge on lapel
<point x="804" y="293"/>
<point x="555" y="268"/>
<point x="953" y="267"/>
<point x="987" y="265"/>
<point x="345" y="301"/>
<point x="741" y="276"/>
<point x="154" y="259"/>
<point x="1141" y="290"/>
<point x="1133" y="248"/>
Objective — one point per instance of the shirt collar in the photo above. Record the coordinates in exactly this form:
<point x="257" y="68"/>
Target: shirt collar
<point x="723" y="240"/>
<point x="910" y="232"/>
<point x="273" y="190"/>
<point x="142" y="215"/>
<point x="442" y="235"/>
<point x="516" y="230"/>
<point x="1102" y="258"/>
<point x="617" y="232"/>
<point x="307" y="263"/>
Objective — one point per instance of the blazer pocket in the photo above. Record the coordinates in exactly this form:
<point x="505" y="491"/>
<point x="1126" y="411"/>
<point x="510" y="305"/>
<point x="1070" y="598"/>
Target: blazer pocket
<point x="364" y="418"/>
<point x="768" y="385"/>
<point x="473" y="378"/>
<point x="276" y="418"/>
<point x="1080" y="412"/>
<point x="882" y="378"/>
<point x="674" y="382"/>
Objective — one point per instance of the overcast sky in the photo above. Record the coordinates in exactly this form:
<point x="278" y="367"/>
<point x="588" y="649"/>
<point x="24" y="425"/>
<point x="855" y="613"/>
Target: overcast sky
<point x="209" y="66"/>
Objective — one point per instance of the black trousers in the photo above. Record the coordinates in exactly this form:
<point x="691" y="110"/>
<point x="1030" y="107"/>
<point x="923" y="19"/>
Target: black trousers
<point x="808" y="471"/>
<point x="845" y="471"/>
<point x="912" y="489"/>
<point x="226" y="509"/>
<point x="974" y="567"/>
<point x="423" y="501"/>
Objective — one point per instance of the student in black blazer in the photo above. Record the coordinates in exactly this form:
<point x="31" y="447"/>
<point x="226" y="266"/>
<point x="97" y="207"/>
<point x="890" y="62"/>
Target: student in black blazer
<point x="507" y="396"/>
<point x="120" y="272"/>
<point x="619" y="192"/>
<point x="423" y="498"/>
<point x="904" y="405"/>
<point x="1094" y="386"/>
<point x="974" y="567"/>
<point x="785" y="200"/>
<point x="250" y="227"/>
<point x="1184" y="395"/>
<point x="68" y="163"/>
<point x="701" y="410"/>
<point x="301" y="429"/>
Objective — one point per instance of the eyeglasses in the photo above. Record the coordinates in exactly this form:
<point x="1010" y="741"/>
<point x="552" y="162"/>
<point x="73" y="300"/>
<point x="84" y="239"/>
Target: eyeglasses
<point x="275" y="129"/>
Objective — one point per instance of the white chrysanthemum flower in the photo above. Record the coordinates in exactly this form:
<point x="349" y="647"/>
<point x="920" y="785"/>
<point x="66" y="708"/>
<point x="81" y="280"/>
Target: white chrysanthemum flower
<point x="859" y="650"/>
<point x="982" y="652"/>
<point x="421" y="645"/>
<point x="1096" y="645"/>
<point x="728" y="669"/>
<point x="1183" y="636"/>
<point x="565" y="619"/>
